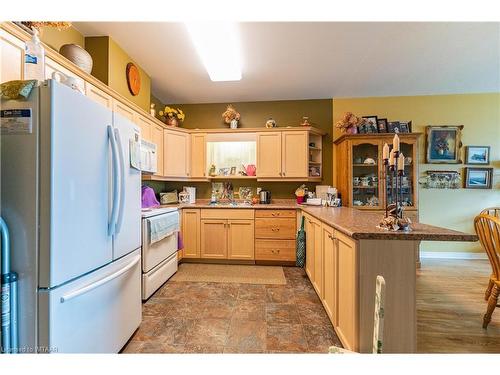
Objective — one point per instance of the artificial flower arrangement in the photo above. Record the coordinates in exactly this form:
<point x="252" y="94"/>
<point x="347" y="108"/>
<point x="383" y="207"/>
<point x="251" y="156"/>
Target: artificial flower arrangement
<point x="171" y="115"/>
<point x="349" y="123"/>
<point x="41" y="24"/>
<point x="230" y="114"/>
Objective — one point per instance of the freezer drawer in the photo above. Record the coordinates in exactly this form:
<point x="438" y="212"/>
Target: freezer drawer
<point x="154" y="254"/>
<point x="155" y="278"/>
<point x="96" y="313"/>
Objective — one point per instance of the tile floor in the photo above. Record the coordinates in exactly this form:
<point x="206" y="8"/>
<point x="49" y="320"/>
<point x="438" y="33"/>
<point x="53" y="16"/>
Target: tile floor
<point x="194" y="317"/>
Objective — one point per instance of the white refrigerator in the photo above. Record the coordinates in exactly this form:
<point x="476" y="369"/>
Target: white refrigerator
<point x="70" y="195"/>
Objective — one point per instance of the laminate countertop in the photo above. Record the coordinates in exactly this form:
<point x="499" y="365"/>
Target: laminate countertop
<point x="357" y="224"/>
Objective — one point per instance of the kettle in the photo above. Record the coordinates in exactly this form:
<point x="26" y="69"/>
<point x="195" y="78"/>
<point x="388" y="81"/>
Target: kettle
<point x="265" y="197"/>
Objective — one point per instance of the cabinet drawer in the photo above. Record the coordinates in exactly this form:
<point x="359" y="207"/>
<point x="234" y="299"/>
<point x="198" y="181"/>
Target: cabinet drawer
<point x="275" y="250"/>
<point x="227" y="213"/>
<point x="275" y="213"/>
<point x="275" y="228"/>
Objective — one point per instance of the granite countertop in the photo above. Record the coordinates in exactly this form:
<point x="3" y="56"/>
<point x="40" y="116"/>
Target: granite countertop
<point x="355" y="223"/>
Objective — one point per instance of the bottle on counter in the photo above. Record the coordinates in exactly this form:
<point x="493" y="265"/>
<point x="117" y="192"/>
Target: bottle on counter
<point x="34" y="58"/>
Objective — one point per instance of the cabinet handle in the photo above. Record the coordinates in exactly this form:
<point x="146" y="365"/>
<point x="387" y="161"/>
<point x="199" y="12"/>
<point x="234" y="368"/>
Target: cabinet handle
<point x="283" y="173"/>
<point x="331" y="237"/>
<point x="275" y="251"/>
<point x="275" y="229"/>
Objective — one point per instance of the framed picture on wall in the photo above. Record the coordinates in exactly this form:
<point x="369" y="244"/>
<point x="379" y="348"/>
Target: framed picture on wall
<point x="477" y="155"/>
<point x="443" y="144"/>
<point x="478" y="178"/>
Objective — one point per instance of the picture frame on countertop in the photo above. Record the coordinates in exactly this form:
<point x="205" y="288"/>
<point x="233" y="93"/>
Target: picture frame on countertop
<point x="478" y="178"/>
<point x="393" y="127"/>
<point x="382" y="125"/>
<point x="371" y="124"/>
<point x="477" y="155"/>
<point x="443" y="144"/>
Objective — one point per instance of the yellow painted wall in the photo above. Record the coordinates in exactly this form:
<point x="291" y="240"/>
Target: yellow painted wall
<point x="56" y="38"/>
<point x="480" y="115"/>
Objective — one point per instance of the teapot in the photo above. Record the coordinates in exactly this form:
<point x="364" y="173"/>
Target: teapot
<point x="67" y="80"/>
<point x="250" y="169"/>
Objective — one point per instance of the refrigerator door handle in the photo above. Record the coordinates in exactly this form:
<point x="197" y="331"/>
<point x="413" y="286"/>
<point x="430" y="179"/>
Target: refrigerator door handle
<point x="115" y="168"/>
<point x="87" y="288"/>
<point x="122" y="181"/>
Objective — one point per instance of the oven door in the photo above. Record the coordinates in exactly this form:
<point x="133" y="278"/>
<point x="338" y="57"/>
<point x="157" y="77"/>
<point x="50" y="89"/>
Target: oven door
<point x="156" y="252"/>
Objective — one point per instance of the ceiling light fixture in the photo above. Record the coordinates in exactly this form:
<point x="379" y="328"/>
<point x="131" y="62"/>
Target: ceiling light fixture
<point x="218" y="46"/>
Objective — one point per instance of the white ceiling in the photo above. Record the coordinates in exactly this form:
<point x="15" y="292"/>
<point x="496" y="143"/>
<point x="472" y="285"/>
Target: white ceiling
<point x="285" y="60"/>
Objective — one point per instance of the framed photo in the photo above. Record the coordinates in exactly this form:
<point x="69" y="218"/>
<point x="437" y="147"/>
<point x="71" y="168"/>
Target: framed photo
<point x="224" y="171"/>
<point x="478" y="178"/>
<point x="443" y="144"/>
<point x="477" y="155"/>
<point x="405" y="126"/>
<point x="393" y="127"/>
<point x="233" y="171"/>
<point x="371" y="124"/>
<point x="382" y="125"/>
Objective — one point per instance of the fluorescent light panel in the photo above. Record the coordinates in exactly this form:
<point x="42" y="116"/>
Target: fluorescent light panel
<point x="218" y="46"/>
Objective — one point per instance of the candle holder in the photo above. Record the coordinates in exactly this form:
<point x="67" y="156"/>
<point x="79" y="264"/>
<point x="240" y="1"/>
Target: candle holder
<point x="394" y="219"/>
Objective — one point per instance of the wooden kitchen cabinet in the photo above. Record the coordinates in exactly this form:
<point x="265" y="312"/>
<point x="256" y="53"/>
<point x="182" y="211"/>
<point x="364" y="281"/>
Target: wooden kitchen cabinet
<point x="176" y="154"/>
<point x="347" y="291"/>
<point x="294" y="154"/>
<point x="191" y="233"/>
<point x="329" y="266"/>
<point x="11" y="57"/>
<point x="313" y="251"/>
<point x="146" y="126"/>
<point x="240" y="239"/>
<point x="198" y="155"/>
<point x="269" y="154"/>
<point x="125" y="111"/>
<point x="157" y="138"/>
<point x="213" y="238"/>
<point x="99" y="96"/>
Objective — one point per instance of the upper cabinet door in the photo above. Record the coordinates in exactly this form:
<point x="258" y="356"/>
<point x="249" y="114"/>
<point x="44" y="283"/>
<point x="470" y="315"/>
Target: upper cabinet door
<point x="146" y="127"/>
<point x="11" y="57"/>
<point x="269" y="154"/>
<point x="157" y="138"/>
<point x="198" y="155"/>
<point x="51" y="67"/>
<point x="124" y="110"/>
<point x="295" y="154"/>
<point x="99" y="96"/>
<point x="176" y="151"/>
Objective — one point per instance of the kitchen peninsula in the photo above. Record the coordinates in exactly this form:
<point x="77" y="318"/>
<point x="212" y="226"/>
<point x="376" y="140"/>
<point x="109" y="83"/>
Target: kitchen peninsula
<point x="345" y="253"/>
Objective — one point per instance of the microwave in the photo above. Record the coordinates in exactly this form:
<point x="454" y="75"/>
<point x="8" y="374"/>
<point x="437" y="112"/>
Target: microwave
<point x="149" y="157"/>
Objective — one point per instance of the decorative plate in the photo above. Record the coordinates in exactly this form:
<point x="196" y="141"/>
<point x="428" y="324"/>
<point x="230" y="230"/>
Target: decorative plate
<point x="133" y="79"/>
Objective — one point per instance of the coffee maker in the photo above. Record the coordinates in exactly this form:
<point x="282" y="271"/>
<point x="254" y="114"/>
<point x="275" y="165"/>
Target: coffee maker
<point x="265" y="197"/>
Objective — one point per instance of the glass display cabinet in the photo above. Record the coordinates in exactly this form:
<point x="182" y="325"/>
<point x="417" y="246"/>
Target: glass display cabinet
<point x="361" y="175"/>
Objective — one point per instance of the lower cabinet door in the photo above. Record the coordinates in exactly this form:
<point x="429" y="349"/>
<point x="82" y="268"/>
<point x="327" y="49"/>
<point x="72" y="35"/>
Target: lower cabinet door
<point x="329" y="273"/>
<point x="240" y="239"/>
<point x="318" y="259"/>
<point x="309" y="228"/>
<point x="214" y="239"/>
<point x="191" y="233"/>
<point x="347" y="307"/>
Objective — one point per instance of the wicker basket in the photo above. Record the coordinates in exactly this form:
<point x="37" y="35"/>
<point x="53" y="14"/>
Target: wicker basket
<point x="78" y="56"/>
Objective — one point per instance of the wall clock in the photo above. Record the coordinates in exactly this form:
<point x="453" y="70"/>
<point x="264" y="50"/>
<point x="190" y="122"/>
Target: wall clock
<point x="133" y="79"/>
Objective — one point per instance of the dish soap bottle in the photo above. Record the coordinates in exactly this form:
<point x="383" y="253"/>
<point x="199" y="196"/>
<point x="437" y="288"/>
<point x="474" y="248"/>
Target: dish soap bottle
<point x="34" y="61"/>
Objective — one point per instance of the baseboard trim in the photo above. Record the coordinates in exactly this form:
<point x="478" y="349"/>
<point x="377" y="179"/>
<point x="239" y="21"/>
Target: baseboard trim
<point x="451" y="255"/>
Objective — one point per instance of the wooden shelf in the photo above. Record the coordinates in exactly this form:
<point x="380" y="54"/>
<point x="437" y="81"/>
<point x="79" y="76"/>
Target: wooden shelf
<point x="233" y="177"/>
<point x="364" y="165"/>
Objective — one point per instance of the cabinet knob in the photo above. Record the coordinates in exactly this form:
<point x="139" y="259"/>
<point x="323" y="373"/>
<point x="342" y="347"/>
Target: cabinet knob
<point x="275" y="251"/>
<point x="274" y="229"/>
<point x="283" y="173"/>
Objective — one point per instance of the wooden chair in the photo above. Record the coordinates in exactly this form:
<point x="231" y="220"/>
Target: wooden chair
<point x="492" y="211"/>
<point x="488" y="230"/>
<point x="378" y="321"/>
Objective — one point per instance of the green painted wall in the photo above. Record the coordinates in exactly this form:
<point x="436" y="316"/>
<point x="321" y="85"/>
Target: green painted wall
<point x="254" y="115"/>
<point x="55" y="38"/>
<point x="110" y="64"/>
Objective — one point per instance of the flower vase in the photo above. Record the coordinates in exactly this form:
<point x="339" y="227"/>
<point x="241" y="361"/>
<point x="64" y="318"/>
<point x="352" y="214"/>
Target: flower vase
<point x="172" y="121"/>
<point x="352" y="130"/>
<point x="234" y="124"/>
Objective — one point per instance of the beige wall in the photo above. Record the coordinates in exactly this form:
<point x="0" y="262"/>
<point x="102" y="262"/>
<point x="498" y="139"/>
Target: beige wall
<point x="480" y="115"/>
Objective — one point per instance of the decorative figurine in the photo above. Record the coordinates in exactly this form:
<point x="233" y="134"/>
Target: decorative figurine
<point x="152" y="110"/>
<point x="212" y="171"/>
<point x="270" y="123"/>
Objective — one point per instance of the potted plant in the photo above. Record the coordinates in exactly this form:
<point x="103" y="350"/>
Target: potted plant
<point x="171" y="116"/>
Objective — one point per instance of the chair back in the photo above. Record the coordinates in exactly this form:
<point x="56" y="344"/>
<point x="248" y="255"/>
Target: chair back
<point x="378" y="321"/>
<point x="492" y="211"/>
<point x="488" y="230"/>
